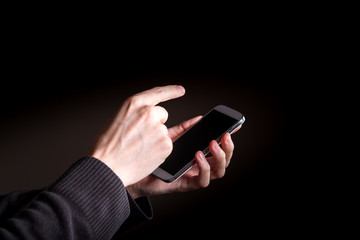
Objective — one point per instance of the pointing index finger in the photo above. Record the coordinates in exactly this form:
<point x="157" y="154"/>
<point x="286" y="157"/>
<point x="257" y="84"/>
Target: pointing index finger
<point x="161" y="94"/>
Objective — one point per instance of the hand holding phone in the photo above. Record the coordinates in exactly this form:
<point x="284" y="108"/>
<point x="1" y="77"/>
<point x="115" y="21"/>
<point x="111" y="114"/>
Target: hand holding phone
<point x="206" y="168"/>
<point x="212" y="126"/>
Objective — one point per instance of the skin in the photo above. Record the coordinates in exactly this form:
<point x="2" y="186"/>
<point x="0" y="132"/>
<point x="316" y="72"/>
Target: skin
<point x="137" y="142"/>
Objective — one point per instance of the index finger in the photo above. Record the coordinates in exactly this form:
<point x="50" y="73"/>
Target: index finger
<point x="160" y="94"/>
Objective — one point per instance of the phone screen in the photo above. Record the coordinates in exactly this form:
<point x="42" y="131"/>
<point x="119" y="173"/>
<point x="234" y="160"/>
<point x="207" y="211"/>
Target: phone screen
<point x="209" y="128"/>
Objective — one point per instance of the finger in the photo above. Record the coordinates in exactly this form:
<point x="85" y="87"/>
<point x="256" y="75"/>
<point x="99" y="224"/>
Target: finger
<point x="179" y="129"/>
<point x="160" y="113"/>
<point x="237" y="129"/>
<point x="159" y="94"/>
<point x="203" y="178"/>
<point x="219" y="164"/>
<point x="228" y="147"/>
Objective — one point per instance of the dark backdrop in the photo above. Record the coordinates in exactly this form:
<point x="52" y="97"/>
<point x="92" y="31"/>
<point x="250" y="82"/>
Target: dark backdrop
<point x="56" y="98"/>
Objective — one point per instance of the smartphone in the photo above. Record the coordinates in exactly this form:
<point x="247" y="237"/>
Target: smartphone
<point x="212" y="126"/>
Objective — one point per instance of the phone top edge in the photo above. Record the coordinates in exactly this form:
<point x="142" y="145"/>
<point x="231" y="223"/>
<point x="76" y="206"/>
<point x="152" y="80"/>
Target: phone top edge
<point x="242" y="120"/>
<point x="229" y="111"/>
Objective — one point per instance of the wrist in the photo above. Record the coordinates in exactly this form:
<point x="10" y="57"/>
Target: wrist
<point x="112" y="165"/>
<point x="134" y="191"/>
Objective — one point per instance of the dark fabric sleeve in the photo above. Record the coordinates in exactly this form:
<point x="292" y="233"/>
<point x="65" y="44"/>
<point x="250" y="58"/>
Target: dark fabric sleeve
<point x="140" y="212"/>
<point x="12" y="202"/>
<point x="88" y="202"/>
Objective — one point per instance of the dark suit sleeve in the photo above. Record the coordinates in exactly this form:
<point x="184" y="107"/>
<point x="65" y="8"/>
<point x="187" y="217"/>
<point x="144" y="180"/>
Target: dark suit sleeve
<point x="88" y="202"/>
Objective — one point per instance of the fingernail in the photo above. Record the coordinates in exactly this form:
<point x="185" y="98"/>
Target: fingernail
<point x="201" y="156"/>
<point x="181" y="89"/>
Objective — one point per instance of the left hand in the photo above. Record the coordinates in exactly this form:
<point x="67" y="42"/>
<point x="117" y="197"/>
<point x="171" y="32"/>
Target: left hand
<point x="198" y="176"/>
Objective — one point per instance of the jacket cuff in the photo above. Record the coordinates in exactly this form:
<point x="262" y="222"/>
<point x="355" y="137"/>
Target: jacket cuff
<point x="99" y="194"/>
<point x="141" y="211"/>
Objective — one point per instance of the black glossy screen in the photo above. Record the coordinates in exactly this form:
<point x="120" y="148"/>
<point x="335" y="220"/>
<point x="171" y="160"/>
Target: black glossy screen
<point x="209" y="128"/>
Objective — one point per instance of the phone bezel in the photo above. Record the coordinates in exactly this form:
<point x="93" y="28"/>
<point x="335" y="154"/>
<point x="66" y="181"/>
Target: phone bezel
<point x="167" y="177"/>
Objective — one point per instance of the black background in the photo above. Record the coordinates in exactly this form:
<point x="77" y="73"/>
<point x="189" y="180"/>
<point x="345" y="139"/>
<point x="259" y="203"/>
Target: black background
<point x="60" y="87"/>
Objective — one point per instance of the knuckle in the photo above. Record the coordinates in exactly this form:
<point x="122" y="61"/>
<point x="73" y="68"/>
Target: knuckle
<point x="220" y="174"/>
<point x="223" y="155"/>
<point x="169" y="145"/>
<point x="220" y="155"/>
<point x="148" y="112"/>
<point x="133" y="100"/>
<point x="230" y="147"/>
<point x="163" y="130"/>
<point x="163" y="110"/>
<point x="160" y="112"/>
<point x="158" y="90"/>
<point x="204" y="184"/>
<point x="208" y="169"/>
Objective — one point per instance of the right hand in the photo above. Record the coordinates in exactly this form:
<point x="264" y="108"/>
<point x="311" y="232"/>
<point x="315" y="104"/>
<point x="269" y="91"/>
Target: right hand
<point x="137" y="141"/>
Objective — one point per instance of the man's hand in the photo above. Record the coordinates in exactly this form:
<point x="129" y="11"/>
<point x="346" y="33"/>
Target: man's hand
<point x="137" y="141"/>
<point x="198" y="176"/>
